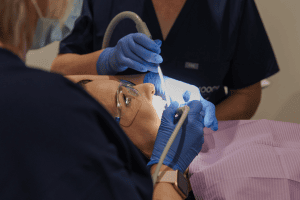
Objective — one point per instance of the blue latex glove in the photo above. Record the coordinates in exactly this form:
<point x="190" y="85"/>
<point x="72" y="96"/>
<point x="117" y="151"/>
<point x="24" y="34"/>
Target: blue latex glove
<point x="188" y="142"/>
<point x="135" y="51"/>
<point x="183" y="93"/>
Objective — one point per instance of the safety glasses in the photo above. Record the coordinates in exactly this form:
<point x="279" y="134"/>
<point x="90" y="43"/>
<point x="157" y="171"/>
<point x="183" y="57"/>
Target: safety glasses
<point x="125" y="87"/>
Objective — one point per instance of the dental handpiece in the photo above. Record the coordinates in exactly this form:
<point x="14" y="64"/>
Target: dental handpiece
<point x="183" y="111"/>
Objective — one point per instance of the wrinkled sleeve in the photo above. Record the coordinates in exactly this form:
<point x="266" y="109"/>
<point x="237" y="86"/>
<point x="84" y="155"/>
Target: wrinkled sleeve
<point x="254" y="58"/>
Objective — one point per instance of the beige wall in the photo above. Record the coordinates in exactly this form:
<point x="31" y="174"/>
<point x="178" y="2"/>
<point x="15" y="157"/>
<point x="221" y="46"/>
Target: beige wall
<point x="281" y="100"/>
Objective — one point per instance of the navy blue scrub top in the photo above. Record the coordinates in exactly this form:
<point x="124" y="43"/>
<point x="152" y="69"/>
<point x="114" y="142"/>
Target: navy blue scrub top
<point x="212" y="44"/>
<point x="57" y="142"/>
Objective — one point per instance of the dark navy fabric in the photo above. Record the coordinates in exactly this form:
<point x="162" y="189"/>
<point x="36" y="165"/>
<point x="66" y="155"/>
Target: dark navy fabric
<point x="212" y="44"/>
<point x="57" y="142"/>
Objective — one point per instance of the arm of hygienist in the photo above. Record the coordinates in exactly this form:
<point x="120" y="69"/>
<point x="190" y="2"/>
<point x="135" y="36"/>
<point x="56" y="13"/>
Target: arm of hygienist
<point x="241" y="105"/>
<point x="134" y="51"/>
<point x="75" y="64"/>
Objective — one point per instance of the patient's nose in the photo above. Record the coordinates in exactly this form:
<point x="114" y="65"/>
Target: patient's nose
<point x="148" y="90"/>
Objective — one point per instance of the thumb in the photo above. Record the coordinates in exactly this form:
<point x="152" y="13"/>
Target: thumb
<point x="170" y="111"/>
<point x="158" y="42"/>
<point x="186" y="96"/>
<point x="195" y="106"/>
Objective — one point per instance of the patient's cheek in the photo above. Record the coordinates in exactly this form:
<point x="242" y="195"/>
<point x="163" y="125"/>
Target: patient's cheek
<point x="143" y="131"/>
<point x="107" y="101"/>
<point x="142" y="138"/>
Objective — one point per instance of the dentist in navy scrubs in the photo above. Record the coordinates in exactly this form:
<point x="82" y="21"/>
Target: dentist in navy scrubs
<point x="58" y="142"/>
<point x="209" y="44"/>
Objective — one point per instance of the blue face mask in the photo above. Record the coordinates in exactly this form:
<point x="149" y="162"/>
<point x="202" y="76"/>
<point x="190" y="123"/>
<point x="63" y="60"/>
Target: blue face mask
<point x="47" y="31"/>
<point x="45" y="27"/>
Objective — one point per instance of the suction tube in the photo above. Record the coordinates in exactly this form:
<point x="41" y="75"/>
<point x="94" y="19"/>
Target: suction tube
<point x="142" y="28"/>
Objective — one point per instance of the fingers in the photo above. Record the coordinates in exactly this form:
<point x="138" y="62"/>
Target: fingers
<point x="210" y="120"/>
<point x="146" y="48"/>
<point x="129" y="59"/>
<point x="152" y="68"/>
<point x="136" y="65"/>
<point x="195" y="106"/>
<point x="159" y="43"/>
<point x="215" y="125"/>
<point x="186" y="96"/>
<point x="207" y="113"/>
<point x="144" y="53"/>
<point x="170" y="111"/>
<point x="146" y="42"/>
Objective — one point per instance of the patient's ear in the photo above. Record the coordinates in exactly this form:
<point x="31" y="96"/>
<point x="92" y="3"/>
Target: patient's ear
<point x="83" y="82"/>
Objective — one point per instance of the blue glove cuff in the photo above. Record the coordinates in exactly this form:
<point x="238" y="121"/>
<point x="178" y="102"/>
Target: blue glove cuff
<point x="103" y="66"/>
<point x="175" y="167"/>
<point x="152" y="162"/>
<point x="154" y="78"/>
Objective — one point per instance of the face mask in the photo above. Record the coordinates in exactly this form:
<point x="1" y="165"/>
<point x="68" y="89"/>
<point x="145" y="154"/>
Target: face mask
<point x="47" y="31"/>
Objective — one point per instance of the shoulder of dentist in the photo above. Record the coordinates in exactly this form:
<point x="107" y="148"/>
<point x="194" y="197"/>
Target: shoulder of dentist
<point x="211" y="45"/>
<point x="54" y="137"/>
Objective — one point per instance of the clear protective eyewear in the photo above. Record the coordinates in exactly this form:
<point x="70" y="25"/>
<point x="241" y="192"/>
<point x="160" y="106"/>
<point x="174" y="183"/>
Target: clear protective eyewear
<point x="125" y="85"/>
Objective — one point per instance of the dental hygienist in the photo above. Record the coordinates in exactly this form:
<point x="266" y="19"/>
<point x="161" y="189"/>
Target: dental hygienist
<point x="207" y="43"/>
<point x="57" y="142"/>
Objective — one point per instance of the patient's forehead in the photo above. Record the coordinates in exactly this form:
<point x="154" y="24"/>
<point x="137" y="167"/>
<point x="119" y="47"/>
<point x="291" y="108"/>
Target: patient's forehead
<point x="99" y="84"/>
<point x="103" y="90"/>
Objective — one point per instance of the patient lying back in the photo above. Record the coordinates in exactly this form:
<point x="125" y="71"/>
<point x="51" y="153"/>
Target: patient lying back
<point x="140" y="115"/>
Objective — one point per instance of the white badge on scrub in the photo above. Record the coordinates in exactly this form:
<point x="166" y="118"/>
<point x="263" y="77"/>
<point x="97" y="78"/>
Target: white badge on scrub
<point x="190" y="65"/>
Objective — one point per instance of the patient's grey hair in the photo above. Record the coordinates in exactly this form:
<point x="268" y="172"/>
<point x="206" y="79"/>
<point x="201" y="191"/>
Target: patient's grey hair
<point x="13" y="16"/>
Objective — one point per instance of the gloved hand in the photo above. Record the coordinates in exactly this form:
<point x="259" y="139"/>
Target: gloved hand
<point x="183" y="93"/>
<point x="188" y="142"/>
<point x="135" y="51"/>
<point x="208" y="111"/>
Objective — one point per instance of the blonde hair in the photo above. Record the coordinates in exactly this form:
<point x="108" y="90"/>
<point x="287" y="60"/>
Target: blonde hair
<point x="14" y="29"/>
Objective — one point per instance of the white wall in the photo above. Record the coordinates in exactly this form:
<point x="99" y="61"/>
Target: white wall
<point x="281" y="100"/>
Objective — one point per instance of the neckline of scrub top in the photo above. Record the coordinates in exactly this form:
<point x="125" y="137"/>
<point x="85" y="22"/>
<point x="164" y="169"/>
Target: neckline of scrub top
<point x="177" y="24"/>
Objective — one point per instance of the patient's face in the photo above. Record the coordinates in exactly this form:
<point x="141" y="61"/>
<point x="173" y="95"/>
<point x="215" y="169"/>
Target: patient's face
<point x="139" y="120"/>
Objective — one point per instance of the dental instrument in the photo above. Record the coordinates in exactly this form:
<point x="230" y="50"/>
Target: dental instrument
<point x="163" y="85"/>
<point x="183" y="111"/>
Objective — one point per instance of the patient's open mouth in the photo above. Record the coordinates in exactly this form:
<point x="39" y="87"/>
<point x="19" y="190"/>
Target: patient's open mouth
<point x="159" y="105"/>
